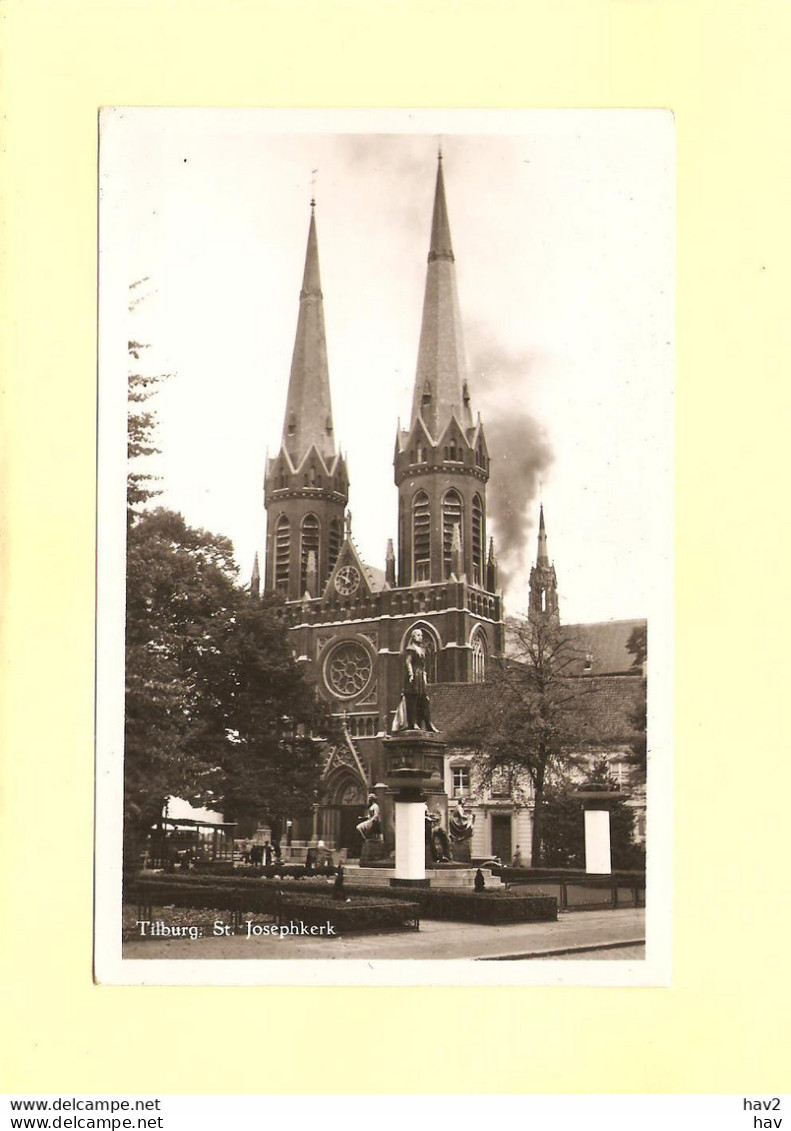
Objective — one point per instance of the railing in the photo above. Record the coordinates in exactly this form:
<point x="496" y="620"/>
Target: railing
<point x="577" y="890"/>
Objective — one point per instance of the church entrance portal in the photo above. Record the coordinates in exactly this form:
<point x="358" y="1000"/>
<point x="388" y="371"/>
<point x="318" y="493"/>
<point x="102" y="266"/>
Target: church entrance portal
<point x="343" y="814"/>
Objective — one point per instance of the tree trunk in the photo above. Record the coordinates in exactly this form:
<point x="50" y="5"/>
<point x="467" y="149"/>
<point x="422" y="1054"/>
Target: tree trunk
<point x="536" y="847"/>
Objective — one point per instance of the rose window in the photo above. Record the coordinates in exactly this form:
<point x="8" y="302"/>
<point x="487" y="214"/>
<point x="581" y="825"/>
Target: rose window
<point x="348" y="670"/>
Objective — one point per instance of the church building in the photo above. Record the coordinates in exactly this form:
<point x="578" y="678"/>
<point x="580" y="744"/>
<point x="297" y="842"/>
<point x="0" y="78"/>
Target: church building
<point x="348" y="620"/>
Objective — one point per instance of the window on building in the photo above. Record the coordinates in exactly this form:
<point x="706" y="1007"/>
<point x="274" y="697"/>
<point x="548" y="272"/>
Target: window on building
<point x="282" y="552"/>
<point x="501" y="781"/>
<point x="478" y="658"/>
<point x="451" y="516"/>
<point x="335" y="542"/>
<point x="460" y="778"/>
<point x="619" y="772"/>
<point x="309" y="541"/>
<point x="478" y="540"/>
<point x="421" y="537"/>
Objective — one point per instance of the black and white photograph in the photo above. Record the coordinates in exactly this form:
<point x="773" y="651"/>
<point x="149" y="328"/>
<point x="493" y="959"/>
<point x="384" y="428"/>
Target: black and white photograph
<point x="385" y="546"/>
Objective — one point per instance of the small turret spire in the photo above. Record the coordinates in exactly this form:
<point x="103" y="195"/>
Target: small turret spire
<point x="390" y="570"/>
<point x="542" y="558"/>
<point x="491" y="569"/>
<point x="255" y="579"/>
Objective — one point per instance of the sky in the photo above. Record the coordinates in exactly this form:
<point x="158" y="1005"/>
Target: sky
<point x="563" y="232"/>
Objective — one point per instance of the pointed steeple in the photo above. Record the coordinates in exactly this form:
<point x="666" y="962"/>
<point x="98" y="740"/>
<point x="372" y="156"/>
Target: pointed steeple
<point x="441" y="378"/>
<point x="308" y="419"/>
<point x="543" y="604"/>
<point x="255" y="579"/>
<point x="542" y="558"/>
<point x="390" y="564"/>
<point x="491" y="569"/>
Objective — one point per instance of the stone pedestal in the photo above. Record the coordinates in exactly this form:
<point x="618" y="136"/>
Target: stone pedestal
<point x="410" y="864"/>
<point x="414" y="766"/>
<point x="596" y="802"/>
<point x="461" y="850"/>
<point x="598" y="858"/>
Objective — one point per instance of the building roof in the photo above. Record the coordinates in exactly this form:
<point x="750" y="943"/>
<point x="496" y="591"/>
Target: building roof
<point x="602" y="646"/>
<point x="608" y="703"/>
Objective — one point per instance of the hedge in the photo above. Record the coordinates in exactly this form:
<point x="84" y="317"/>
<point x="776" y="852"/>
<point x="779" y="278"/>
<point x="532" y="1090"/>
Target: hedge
<point x="259" y="871"/>
<point x="311" y="907"/>
<point x="246" y="894"/>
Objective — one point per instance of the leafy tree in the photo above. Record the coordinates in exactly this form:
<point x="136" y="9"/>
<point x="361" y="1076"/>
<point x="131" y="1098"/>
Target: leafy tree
<point x="539" y="724"/>
<point x="141" y="425"/>
<point x="563" y="826"/>
<point x="637" y="645"/>
<point x="218" y="711"/>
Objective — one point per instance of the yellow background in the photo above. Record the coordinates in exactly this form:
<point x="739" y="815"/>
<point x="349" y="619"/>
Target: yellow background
<point x="723" y="68"/>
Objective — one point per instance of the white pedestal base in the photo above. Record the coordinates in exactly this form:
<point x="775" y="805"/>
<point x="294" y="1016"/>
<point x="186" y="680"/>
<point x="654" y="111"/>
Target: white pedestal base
<point x="598" y="859"/>
<point x="410" y="840"/>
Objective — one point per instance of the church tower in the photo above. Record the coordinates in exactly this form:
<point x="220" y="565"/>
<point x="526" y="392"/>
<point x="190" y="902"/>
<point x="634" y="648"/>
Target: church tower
<point x="543" y="606"/>
<point x="306" y="485"/>
<point x="441" y="460"/>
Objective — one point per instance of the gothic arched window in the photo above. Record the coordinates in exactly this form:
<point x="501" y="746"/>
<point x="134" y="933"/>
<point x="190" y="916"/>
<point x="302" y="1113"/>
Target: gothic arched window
<point x="451" y="516"/>
<point x="309" y="541"/>
<point x="335" y="542"/>
<point x="421" y="537"/>
<point x="478" y="540"/>
<point x="478" y="657"/>
<point x="282" y="551"/>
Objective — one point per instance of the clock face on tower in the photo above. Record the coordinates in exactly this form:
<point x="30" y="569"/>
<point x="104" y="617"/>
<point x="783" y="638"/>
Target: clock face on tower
<point x="347" y="580"/>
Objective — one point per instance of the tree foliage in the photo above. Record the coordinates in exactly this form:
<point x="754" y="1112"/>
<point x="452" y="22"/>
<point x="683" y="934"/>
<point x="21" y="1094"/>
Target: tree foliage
<point x="217" y="710"/>
<point x="637" y="645"/>
<point x="540" y="725"/>
<point x="141" y="428"/>
<point x="563" y="827"/>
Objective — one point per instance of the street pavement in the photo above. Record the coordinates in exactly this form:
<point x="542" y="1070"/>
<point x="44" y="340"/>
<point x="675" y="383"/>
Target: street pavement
<point x="610" y="935"/>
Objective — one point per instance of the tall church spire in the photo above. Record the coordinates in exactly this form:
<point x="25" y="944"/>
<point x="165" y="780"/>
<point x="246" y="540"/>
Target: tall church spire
<point x="308" y="418"/>
<point x="441" y="378"/>
<point x="306" y="484"/>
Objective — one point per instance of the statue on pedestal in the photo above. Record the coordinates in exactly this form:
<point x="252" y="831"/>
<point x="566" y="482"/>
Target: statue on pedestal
<point x="437" y="838"/>
<point x="413" y="711"/>
<point x="371" y="828"/>
<point x="460" y="823"/>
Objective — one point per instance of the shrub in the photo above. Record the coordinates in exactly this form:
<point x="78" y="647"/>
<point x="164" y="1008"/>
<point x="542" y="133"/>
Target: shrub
<point x="310" y="906"/>
<point x="259" y="871"/>
<point x="246" y="894"/>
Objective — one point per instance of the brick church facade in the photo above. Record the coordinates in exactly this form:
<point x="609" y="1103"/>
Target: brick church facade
<point x="349" y="621"/>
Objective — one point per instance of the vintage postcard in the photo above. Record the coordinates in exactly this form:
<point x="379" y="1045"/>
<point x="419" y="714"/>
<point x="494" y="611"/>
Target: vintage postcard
<point x="385" y="547"/>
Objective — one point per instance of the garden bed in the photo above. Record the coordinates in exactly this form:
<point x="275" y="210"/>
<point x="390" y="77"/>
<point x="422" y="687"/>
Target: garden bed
<point x="241" y="894"/>
<point x="313" y="907"/>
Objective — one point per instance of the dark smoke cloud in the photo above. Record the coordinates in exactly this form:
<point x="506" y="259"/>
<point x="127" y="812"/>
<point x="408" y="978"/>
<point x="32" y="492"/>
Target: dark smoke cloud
<point x="519" y="448"/>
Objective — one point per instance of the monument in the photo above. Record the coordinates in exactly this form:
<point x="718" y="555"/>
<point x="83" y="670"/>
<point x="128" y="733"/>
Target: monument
<point x="597" y="799"/>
